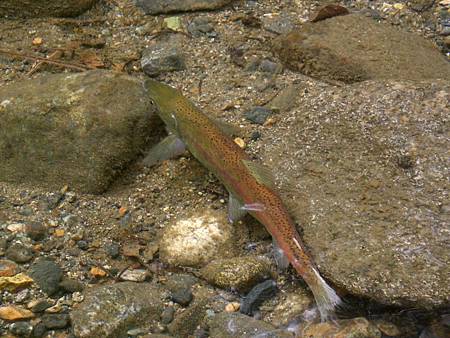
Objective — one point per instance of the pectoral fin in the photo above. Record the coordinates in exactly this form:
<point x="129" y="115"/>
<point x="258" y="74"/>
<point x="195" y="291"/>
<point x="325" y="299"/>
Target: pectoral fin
<point x="261" y="173"/>
<point x="169" y="147"/>
<point x="279" y="256"/>
<point x="235" y="209"/>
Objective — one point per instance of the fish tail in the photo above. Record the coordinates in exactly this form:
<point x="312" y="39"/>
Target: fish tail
<point x="326" y="298"/>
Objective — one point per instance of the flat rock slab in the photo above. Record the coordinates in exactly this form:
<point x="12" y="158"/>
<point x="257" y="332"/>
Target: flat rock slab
<point x="153" y="7"/>
<point x="364" y="171"/>
<point x="110" y="310"/>
<point x="43" y="8"/>
<point x="77" y="129"/>
<point x="354" y="48"/>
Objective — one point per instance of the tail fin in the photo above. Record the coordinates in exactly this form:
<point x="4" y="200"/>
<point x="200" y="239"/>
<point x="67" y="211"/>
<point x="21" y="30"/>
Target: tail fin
<point x="326" y="298"/>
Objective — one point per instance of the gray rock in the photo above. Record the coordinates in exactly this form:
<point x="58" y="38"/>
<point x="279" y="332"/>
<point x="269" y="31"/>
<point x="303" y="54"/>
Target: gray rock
<point x="153" y="7"/>
<point x="47" y="274"/>
<point x="77" y="129"/>
<point x="111" y="310"/>
<point x="55" y="321"/>
<point x="258" y="114"/>
<point x="163" y="57"/>
<point x="19" y="253"/>
<point x="21" y="329"/>
<point x="36" y="230"/>
<point x="40" y="305"/>
<point x="285" y="99"/>
<point x="39" y="330"/>
<point x="200" y="26"/>
<point x="268" y="66"/>
<point x="279" y="24"/>
<point x="71" y="285"/>
<point x="40" y="8"/>
<point x="179" y="281"/>
<point x="182" y="296"/>
<point x="167" y="315"/>
<point x="229" y="325"/>
<point x="354" y="48"/>
<point x="113" y="250"/>
<point x="373" y="226"/>
<point x="187" y="322"/>
<point x="240" y="273"/>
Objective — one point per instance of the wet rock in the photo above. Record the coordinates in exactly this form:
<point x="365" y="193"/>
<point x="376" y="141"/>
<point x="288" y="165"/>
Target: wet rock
<point x="257" y="295"/>
<point x="83" y="245"/>
<point x="240" y="273"/>
<point x="177" y="282"/>
<point x="8" y="268"/>
<point x="135" y="275"/>
<point x="285" y="99"/>
<point x="12" y="313"/>
<point x="113" y="250"/>
<point x="39" y="330"/>
<point x="55" y="321"/>
<point x="279" y="24"/>
<point x="329" y="11"/>
<point x="71" y="285"/>
<point x="258" y="115"/>
<point x="187" y="322"/>
<point x="15" y="282"/>
<point x="163" y="57"/>
<point x="236" y="324"/>
<point x="356" y="327"/>
<point x="21" y="329"/>
<point x="195" y="240"/>
<point x="200" y="26"/>
<point x="98" y="131"/>
<point x="39" y="305"/>
<point x="372" y="226"/>
<point x="112" y="309"/>
<point x="268" y="66"/>
<point x="336" y="49"/>
<point x="47" y="274"/>
<point x="19" y="253"/>
<point x="182" y="296"/>
<point x="153" y="7"/>
<point x="167" y="315"/>
<point x="36" y="230"/>
<point x="39" y="9"/>
<point x="291" y="306"/>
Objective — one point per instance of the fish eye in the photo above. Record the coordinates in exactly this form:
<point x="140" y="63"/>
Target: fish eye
<point x="152" y="102"/>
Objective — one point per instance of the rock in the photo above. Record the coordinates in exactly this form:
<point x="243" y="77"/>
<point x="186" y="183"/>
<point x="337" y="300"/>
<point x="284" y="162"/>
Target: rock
<point x="12" y="313"/>
<point x="39" y="305"/>
<point x="178" y="282"/>
<point x="278" y="24"/>
<point x="111" y="310"/>
<point x="329" y="11"/>
<point x="135" y="275"/>
<point x="36" y="230"/>
<point x="235" y="324"/>
<point x="83" y="245"/>
<point x="47" y="274"/>
<point x="257" y="295"/>
<point x="258" y="115"/>
<point x="372" y="225"/>
<point x="187" y="322"/>
<point x="285" y="99"/>
<point x="163" y="57"/>
<point x="21" y="329"/>
<point x="240" y="273"/>
<point x="200" y="26"/>
<point x="8" y="268"/>
<point x="153" y="7"/>
<point x="14" y="283"/>
<point x="290" y="307"/>
<point x="353" y="328"/>
<point x="268" y="66"/>
<point x="182" y="297"/>
<point x="39" y="9"/>
<point x="71" y="285"/>
<point x="39" y="330"/>
<point x="167" y="315"/>
<point x="113" y="250"/>
<point x="354" y="48"/>
<point x="3" y="245"/>
<point x="78" y="129"/>
<point x="196" y="239"/>
<point x="19" y="253"/>
<point x="55" y="321"/>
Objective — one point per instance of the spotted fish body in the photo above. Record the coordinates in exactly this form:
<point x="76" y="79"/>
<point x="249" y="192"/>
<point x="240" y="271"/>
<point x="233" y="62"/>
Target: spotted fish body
<point x="246" y="181"/>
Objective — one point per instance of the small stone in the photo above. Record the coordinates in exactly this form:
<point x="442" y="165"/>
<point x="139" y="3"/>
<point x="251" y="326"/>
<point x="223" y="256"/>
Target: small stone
<point x="21" y="296"/>
<point x="232" y="307"/>
<point x="72" y="221"/>
<point x="16" y="227"/>
<point x="13" y="313"/>
<point x="71" y="285"/>
<point x="39" y="330"/>
<point x="182" y="297"/>
<point x="39" y="305"/>
<point x="240" y="142"/>
<point x="55" y="321"/>
<point x="37" y="41"/>
<point x="387" y="328"/>
<point x="15" y="283"/>
<point x="83" y="245"/>
<point x="258" y="114"/>
<point x="36" y="230"/>
<point x="97" y="272"/>
<point x="21" y="329"/>
<point x="135" y="275"/>
<point x="53" y="200"/>
<point x="47" y="274"/>
<point x="255" y="135"/>
<point x="200" y="26"/>
<point x="268" y="66"/>
<point x="277" y="24"/>
<point x="173" y="23"/>
<point x="257" y="296"/>
<point x="59" y="233"/>
<point x="8" y="268"/>
<point x="19" y="253"/>
<point x="113" y="250"/>
<point x="163" y="57"/>
<point x="167" y="315"/>
<point x="77" y="297"/>
<point x="235" y="324"/>
<point x="329" y="11"/>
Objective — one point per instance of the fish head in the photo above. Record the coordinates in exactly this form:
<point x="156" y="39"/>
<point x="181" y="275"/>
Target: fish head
<point x="165" y="99"/>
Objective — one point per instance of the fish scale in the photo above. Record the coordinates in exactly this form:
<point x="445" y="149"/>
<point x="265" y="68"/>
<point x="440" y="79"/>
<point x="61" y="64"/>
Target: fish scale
<point x="245" y="180"/>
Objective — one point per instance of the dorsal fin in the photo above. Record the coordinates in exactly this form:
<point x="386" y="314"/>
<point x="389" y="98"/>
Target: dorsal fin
<point x="261" y="173"/>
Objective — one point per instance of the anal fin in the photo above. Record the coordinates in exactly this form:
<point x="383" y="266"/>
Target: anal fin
<point x="280" y="258"/>
<point x="168" y="148"/>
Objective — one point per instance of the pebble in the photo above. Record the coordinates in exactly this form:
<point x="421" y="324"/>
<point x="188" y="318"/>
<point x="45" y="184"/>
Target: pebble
<point x="182" y="297"/>
<point x="240" y="142"/>
<point x="167" y="315"/>
<point x="13" y="313"/>
<point x="83" y="245"/>
<point x="163" y="57"/>
<point x="268" y="66"/>
<point x="255" y="135"/>
<point x="278" y="24"/>
<point x="39" y="305"/>
<point x="135" y="275"/>
<point x="257" y="296"/>
<point x="39" y="330"/>
<point x="59" y="233"/>
<point x="8" y="268"/>
<point x="21" y="329"/>
<point x="200" y="26"/>
<point x="97" y="272"/>
<point x="258" y="114"/>
<point x="36" y="230"/>
<point x="55" y="321"/>
<point x="232" y="307"/>
<point x="71" y="285"/>
<point x="19" y="253"/>
<point x="47" y="274"/>
<point x="113" y="250"/>
<point x="16" y="227"/>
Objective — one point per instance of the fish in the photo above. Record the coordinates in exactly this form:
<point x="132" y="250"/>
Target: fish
<point x="250" y="184"/>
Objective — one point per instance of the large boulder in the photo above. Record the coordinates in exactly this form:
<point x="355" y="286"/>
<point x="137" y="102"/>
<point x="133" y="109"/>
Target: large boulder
<point x="364" y="171"/>
<point x="77" y="129"/>
<point x="354" y="48"/>
<point x="43" y="8"/>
